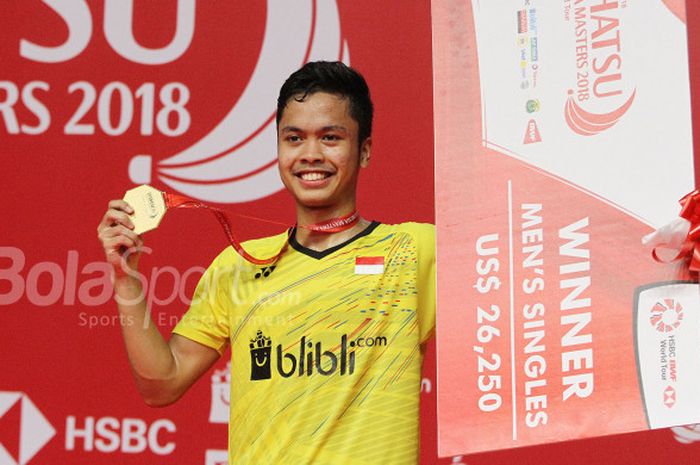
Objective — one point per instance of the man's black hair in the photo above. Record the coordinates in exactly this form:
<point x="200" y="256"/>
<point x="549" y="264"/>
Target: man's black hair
<point x="332" y="77"/>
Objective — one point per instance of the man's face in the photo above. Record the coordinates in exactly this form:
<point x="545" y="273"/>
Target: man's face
<point x="319" y="155"/>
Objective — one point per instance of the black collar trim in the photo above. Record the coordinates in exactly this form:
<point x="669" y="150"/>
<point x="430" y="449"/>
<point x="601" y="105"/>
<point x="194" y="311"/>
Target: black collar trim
<point x="319" y="254"/>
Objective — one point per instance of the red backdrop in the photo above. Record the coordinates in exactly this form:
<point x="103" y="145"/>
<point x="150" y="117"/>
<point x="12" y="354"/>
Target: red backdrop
<point x="66" y="393"/>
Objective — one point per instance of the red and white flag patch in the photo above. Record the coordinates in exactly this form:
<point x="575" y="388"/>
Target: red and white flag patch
<point x="369" y="265"/>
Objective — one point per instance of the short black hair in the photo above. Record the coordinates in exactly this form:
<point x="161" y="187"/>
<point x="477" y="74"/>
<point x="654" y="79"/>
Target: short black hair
<point x="333" y="77"/>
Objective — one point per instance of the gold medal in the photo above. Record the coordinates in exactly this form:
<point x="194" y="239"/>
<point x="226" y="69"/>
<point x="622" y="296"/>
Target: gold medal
<point x="149" y="207"/>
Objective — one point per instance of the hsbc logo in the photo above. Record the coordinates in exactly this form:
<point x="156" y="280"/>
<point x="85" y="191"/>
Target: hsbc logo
<point x="24" y="430"/>
<point x="669" y="397"/>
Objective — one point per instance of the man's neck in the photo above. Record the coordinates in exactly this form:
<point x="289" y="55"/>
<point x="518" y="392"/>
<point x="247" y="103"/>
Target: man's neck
<point x="320" y="241"/>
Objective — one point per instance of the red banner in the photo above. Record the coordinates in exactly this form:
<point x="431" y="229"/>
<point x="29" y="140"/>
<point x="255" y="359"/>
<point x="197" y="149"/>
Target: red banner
<point x="98" y="96"/>
<point x="554" y="323"/>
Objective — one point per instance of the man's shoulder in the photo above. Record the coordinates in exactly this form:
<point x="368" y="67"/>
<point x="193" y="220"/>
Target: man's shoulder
<point x="424" y="231"/>
<point x="268" y="242"/>
<point x="262" y="247"/>
<point x="422" y="235"/>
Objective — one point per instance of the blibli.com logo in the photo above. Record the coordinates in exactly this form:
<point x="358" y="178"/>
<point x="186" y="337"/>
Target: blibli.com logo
<point x="306" y="358"/>
<point x="260" y="357"/>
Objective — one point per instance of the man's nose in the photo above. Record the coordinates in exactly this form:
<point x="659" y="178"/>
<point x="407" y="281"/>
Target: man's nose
<point x="313" y="151"/>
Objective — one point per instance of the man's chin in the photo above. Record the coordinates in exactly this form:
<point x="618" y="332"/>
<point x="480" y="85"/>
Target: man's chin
<point x="313" y="202"/>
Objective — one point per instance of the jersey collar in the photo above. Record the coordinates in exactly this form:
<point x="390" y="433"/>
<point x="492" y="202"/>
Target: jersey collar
<point x="319" y="254"/>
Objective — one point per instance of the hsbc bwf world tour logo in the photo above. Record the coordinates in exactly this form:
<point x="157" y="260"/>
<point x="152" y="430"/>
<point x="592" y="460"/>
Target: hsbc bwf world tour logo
<point x="666" y="315"/>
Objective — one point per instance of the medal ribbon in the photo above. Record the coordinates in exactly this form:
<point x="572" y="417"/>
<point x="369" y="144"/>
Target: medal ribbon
<point x="330" y="226"/>
<point x="690" y="210"/>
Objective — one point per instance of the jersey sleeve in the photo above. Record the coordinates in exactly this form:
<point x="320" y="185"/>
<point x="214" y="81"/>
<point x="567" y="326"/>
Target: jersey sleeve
<point x="426" y="280"/>
<point x="207" y="320"/>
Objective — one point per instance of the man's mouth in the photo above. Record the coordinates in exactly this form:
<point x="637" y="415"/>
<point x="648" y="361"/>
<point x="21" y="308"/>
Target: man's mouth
<point x="313" y="175"/>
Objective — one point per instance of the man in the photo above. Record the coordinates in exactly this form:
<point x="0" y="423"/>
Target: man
<point x="326" y="344"/>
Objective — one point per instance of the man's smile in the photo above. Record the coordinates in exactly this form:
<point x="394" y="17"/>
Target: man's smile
<point x="313" y="176"/>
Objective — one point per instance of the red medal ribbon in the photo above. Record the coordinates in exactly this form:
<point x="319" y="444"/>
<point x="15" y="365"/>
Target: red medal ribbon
<point x="335" y="224"/>
<point x="690" y="210"/>
<point x="331" y="226"/>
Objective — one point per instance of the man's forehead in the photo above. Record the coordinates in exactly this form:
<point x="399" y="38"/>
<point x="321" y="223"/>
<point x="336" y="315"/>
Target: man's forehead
<point x="320" y="106"/>
<point x="319" y="98"/>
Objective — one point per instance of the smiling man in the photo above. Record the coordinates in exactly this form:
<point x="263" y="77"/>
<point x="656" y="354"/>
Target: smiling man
<point x="326" y="343"/>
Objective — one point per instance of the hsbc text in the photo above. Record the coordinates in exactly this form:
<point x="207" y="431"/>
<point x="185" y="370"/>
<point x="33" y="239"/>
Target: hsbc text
<point x="128" y="435"/>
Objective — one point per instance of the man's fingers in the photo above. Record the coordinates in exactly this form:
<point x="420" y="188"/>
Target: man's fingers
<point x="118" y="230"/>
<point x="118" y="242"/>
<point x="115" y="217"/>
<point x="121" y="246"/>
<point x="118" y="212"/>
<point x="119" y="204"/>
<point x="116" y="237"/>
<point x="116" y="234"/>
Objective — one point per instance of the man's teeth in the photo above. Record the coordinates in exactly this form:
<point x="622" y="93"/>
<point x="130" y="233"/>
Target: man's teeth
<point x="313" y="176"/>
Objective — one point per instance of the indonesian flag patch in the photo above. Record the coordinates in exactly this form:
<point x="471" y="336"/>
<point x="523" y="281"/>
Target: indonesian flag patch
<point x="369" y="265"/>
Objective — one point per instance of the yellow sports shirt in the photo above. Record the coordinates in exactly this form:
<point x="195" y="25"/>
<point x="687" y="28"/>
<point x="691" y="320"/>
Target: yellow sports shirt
<point x="325" y="346"/>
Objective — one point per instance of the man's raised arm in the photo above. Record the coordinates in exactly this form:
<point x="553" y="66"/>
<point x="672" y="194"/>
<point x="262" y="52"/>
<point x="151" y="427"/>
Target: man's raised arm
<point x="163" y="370"/>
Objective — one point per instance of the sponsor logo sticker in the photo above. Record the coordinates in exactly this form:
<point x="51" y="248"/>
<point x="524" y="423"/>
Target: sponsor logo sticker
<point x="532" y="133"/>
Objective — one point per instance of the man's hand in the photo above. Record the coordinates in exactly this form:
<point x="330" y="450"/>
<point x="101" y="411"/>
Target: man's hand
<point x="121" y="244"/>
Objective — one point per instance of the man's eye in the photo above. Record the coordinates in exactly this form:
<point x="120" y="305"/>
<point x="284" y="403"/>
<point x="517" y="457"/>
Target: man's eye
<point x="293" y="138"/>
<point x="331" y="137"/>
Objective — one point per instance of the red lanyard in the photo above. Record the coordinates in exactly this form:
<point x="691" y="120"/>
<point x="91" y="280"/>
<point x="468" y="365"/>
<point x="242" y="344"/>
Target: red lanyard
<point x="335" y="224"/>
<point x="330" y="226"/>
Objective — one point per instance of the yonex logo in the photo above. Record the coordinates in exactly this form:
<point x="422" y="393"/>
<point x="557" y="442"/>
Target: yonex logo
<point x="23" y="429"/>
<point x="265" y="271"/>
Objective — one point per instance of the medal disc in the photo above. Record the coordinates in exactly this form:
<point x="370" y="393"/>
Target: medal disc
<point x="149" y="207"/>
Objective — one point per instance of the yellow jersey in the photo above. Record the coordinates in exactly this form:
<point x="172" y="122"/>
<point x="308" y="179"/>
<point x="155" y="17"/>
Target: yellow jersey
<point x="325" y="346"/>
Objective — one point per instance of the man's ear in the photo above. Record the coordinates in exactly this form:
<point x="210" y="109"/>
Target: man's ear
<point x="365" y="152"/>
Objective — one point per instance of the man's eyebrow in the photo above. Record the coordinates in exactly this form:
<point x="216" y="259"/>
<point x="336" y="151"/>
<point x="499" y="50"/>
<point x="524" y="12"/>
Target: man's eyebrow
<point x="332" y="127"/>
<point x="335" y="127"/>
